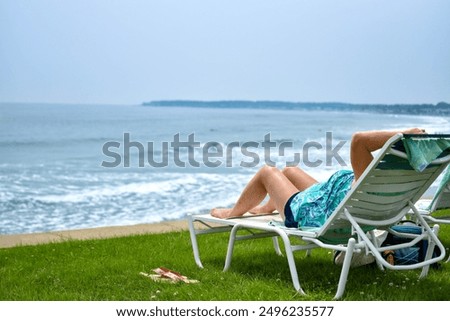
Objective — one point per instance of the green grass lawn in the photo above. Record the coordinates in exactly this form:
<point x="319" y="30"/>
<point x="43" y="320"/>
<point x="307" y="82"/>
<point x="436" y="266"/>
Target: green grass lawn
<point x="109" y="269"/>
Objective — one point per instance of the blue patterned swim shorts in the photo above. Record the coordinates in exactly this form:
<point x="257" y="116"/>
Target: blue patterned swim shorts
<point x="313" y="206"/>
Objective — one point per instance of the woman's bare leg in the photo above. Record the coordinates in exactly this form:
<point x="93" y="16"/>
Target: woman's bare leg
<point x="268" y="180"/>
<point x="298" y="177"/>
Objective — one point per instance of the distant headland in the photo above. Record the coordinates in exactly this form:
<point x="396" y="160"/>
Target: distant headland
<point x="440" y="109"/>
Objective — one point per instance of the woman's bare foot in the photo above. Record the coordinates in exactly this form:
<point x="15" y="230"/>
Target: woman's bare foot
<point x="221" y="212"/>
<point x="263" y="209"/>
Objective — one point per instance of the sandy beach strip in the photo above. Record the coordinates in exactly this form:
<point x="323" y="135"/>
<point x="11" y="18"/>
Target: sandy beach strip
<point x="13" y="240"/>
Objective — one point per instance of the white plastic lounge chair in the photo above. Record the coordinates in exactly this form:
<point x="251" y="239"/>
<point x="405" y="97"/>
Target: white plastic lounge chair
<point x="386" y="191"/>
<point x="441" y="200"/>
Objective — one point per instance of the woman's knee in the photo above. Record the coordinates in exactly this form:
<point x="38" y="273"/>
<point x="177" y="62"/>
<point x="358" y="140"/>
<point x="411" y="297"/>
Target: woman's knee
<point x="269" y="170"/>
<point x="357" y="137"/>
<point x="289" y="170"/>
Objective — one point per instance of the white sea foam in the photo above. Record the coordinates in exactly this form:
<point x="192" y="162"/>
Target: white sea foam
<point x="138" y="189"/>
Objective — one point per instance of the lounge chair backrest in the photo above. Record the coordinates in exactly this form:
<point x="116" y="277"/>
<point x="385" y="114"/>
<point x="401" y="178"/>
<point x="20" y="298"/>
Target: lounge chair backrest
<point x="382" y="195"/>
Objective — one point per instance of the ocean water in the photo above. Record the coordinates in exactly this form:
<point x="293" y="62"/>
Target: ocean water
<point x="79" y="166"/>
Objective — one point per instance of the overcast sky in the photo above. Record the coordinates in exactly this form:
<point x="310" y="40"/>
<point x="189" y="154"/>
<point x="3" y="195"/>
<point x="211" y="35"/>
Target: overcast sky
<point x="126" y="52"/>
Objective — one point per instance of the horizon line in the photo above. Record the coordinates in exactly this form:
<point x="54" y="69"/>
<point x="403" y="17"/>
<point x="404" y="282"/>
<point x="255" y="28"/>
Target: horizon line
<point x="287" y="102"/>
<point x="222" y="100"/>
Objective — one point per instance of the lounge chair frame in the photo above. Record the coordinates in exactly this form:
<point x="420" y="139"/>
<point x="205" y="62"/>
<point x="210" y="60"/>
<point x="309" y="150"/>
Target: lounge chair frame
<point x="371" y="204"/>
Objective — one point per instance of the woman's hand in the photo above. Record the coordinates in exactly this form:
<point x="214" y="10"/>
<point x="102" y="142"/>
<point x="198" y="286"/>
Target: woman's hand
<point x="414" y="131"/>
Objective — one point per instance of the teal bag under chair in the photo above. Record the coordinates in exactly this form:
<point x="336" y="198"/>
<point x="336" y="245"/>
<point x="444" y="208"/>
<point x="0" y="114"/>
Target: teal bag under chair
<point x="409" y="255"/>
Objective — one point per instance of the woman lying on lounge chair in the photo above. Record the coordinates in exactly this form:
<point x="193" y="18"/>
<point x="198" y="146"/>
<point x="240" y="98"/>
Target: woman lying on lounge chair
<point x="298" y="197"/>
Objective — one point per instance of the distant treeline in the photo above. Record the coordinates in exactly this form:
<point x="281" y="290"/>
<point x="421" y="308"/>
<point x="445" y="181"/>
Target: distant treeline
<point x="440" y="109"/>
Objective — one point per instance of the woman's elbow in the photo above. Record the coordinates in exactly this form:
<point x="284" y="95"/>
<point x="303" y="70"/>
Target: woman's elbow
<point x="358" y="138"/>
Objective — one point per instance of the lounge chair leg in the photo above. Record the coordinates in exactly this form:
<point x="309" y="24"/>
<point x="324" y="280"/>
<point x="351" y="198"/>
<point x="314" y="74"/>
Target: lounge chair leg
<point x="194" y="242"/>
<point x="291" y="262"/>
<point x="276" y="245"/>
<point x="345" y="269"/>
<point x="288" y="249"/>
<point x="429" y="253"/>
<point x="376" y="243"/>
<point x="231" y="247"/>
